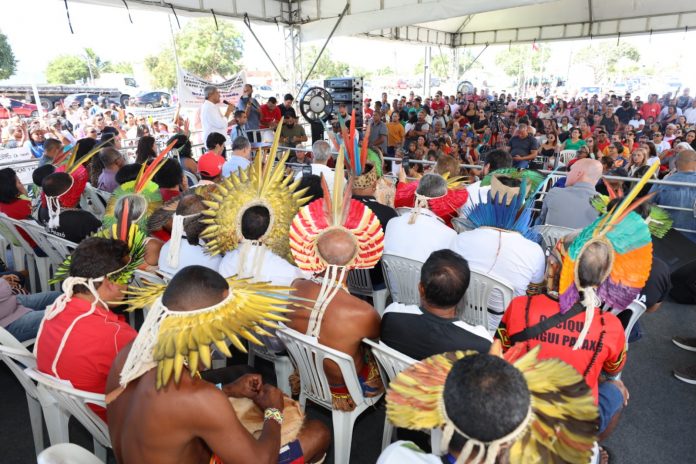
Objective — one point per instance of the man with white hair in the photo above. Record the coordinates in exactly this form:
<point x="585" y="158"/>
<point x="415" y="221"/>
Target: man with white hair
<point x="211" y="119"/>
<point x="570" y="206"/>
<point x="417" y="234"/>
<point x="321" y="152"/>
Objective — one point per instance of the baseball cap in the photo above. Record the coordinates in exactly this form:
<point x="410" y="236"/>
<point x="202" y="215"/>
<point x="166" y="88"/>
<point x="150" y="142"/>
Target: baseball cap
<point x="210" y="164"/>
<point x="367" y="100"/>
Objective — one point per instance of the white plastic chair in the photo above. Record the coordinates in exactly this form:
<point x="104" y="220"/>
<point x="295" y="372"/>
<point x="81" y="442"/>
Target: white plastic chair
<point x="402" y="276"/>
<point x="460" y="224"/>
<point x="637" y="310"/>
<point x="391" y="362"/>
<point x="552" y="234"/>
<point x="94" y="200"/>
<point x="67" y="453"/>
<point x="566" y="155"/>
<point x="474" y="305"/>
<point x="190" y="178"/>
<point x="59" y="401"/>
<point x="56" y="248"/>
<point x="401" y="210"/>
<point x="22" y="253"/>
<point x="141" y="279"/>
<point x="308" y="356"/>
<point x="282" y="365"/>
<point x="360" y="283"/>
<point x="17" y="357"/>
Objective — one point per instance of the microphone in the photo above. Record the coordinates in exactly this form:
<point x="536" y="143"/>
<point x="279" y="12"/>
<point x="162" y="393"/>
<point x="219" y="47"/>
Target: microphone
<point x="225" y="102"/>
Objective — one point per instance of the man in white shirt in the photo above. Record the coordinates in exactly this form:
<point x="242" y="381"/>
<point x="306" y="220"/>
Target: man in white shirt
<point x="211" y="119"/>
<point x="186" y="248"/>
<point x="255" y="260"/>
<point x="504" y="255"/>
<point x="495" y="159"/>
<point x="417" y="234"/>
<point x="637" y="122"/>
<point x="240" y="157"/>
<point x="690" y="113"/>
<point x="321" y="152"/>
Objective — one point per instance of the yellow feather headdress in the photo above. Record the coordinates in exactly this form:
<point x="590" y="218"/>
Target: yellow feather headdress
<point x="560" y="426"/>
<point x="170" y="339"/>
<point x="261" y="185"/>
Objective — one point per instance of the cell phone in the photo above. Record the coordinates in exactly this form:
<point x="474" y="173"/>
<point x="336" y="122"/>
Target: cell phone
<point x="406" y="163"/>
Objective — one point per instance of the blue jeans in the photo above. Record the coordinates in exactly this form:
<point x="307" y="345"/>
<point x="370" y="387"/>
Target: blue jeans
<point x="27" y="326"/>
<point x="611" y="401"/>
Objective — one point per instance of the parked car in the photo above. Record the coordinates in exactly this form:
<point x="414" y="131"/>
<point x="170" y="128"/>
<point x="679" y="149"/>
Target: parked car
<point x="17" y="107"/>
<point x="152" y="99"/>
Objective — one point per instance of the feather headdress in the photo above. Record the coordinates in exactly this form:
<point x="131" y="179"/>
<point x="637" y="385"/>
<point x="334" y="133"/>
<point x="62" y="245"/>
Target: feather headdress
<point x="628" y="238"/>
<point x="559" y="427"/>
<point x="533" y="178"/>
<point x="143" y="186"/>
<point x="445" y="207"/>
<point x="659" y="221"/>
<point x="260" y="185"/>
<point x="169" y="340"/>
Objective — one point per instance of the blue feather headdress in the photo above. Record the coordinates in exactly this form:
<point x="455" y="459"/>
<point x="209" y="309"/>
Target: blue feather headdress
<point x="503" y="210"/>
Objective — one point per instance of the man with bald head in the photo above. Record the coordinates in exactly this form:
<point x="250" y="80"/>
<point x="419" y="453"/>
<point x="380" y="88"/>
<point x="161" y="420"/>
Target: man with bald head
<point x="570" y="206"/>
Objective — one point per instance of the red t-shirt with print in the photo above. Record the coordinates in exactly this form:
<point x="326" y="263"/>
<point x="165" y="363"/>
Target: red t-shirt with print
<point x="558" y="341"/>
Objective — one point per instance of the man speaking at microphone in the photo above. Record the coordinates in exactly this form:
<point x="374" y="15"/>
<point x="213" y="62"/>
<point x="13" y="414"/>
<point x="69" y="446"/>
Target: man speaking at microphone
<point x="251" y="107"/>
<point x="211" y="119"/>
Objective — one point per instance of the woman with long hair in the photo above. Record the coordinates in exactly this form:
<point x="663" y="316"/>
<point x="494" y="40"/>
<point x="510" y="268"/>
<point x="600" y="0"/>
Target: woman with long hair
<point x="146" y="150"/>
<point x="549" y="149"/>
<point x="471" y="113"/>
<point x="574" y="141"/>
<point x="592" y="148"/>
<point x="637" y="161"/>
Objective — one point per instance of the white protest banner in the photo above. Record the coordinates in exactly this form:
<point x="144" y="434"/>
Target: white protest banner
<point x="10" y="156"/>
<point x="25" y="170"/>
<point x="191" y="89"/>
<point x="157" y="114"/>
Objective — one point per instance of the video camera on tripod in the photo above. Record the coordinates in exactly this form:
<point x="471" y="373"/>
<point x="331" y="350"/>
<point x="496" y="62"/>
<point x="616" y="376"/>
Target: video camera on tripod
<point x="497" y="106"/>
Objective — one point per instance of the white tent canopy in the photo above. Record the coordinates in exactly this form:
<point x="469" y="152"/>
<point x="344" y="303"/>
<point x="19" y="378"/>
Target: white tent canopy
<point x="452" y="23"/>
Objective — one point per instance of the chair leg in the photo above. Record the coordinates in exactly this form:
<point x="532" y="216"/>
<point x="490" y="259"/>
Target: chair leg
<point x="251" y="356"/>
<point x="343" y="435"/>
<point x="31" y="269"/>
<point x="387" y="434"/>
<point x="99" y="450"/>
<point x="283" y="370"/>
<point x="302" y="400"/>
<point x="380" y="300"/>
<point x="436" y="442"/>
<point x="56" y="422"/>
<point x="43" y="268"/>
<point x="36" y="419"/>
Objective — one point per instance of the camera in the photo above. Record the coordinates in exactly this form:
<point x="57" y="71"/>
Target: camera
<point x="497" y="106"/>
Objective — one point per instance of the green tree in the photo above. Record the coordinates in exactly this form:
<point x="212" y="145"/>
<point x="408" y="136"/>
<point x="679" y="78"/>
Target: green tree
<point x="326" y="66"/>
<point x="606" y="59"/>
<point x="66" y="69"/>
<point x="439" y="66"/>
<point x="209" y="52"/>
<point x="385" y="71"/>
<point x="8" y="63"/>
<point x="524" y="59"/>
<point x="95" y="65"/>
<point x="162" y="69"/>
<point x="122" y="67"/>
<point x="466" y="60"/>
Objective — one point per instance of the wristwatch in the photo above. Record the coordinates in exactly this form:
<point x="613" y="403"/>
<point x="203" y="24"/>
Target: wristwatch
<point x="273" y="414"/>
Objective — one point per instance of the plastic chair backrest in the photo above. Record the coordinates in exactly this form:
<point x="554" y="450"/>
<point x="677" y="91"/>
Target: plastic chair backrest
<point x="64" y="453"/>
<point x="74" y="402"/>
<point x="460" y="225"/>
<point x="17" y="357"/>
<point x="94" y="200"/>
<point x="552" y="234"/>
<point x="56" y="248"/>
<point x="401" y="210"/>
<point x="475" y="301"/>
<point x="402" y="276"/>
<point x="391" y="361"/>
<point x="567" y="155"/>
<point x="190" y="178"/>
<point x="308" y="356"/>
<point x="8" y="232"/>
<point x="142" y="278"/>
<point x="637" y="309"/>
<point x="10" y="226"/>
<point x="359" y="282"/>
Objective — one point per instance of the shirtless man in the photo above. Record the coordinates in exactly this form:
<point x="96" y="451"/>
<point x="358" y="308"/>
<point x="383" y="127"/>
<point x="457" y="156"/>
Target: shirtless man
<point x="347" y="319"/>
<point x="193" y="421"/>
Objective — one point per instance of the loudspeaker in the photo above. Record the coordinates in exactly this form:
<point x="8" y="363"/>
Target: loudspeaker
<point x="343" y="83"/>
<point x="680" y="255"/>
<point x="347" y="90"/>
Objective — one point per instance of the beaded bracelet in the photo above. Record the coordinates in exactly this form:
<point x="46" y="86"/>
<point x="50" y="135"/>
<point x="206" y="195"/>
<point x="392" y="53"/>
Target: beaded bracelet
<point x="273" y="414"/>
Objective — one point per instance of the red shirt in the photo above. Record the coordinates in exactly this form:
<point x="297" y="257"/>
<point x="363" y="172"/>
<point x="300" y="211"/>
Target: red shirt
<point x="650" y="109"/>
<point x="19" y="209"/>
<point x="90" y="349"/>
<point x="603" y="145"/>
<point x="268" y="116"/>
<point x="168" y="194"/>
<point x="435" y="105"/>
<point x="558" y="341"/>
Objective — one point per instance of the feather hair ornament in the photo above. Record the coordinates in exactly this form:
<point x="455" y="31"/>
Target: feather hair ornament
<point x="630" y="253"/>
<point x="659" y="221"/>
<point x="260" y="185"/>
<point x="533" y="178"/>
<point x="170" y="340"/>
<point x="560" y="426"/>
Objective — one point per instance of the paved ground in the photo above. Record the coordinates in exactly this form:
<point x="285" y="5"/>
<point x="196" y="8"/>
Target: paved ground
<point x="656" y="427"/>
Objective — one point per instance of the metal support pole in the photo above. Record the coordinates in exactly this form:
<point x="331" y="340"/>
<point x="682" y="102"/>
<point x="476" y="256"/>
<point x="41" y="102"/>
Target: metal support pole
<point x="426" y="73"/>
<point x="247" y="23"/>
<point x="338" y="21"/>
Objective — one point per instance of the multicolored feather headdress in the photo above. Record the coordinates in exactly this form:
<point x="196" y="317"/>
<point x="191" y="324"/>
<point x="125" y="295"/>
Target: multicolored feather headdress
<point x="260" y="185"/>
<point x="559" y="427"/>
<point x="354" y="219"/>
<point x="143" y="186"/>
<point x="630" y="253"/>
<point x="659" y="221"/>
<point x="169" y="340"/>
<point x="533" y="178"/>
